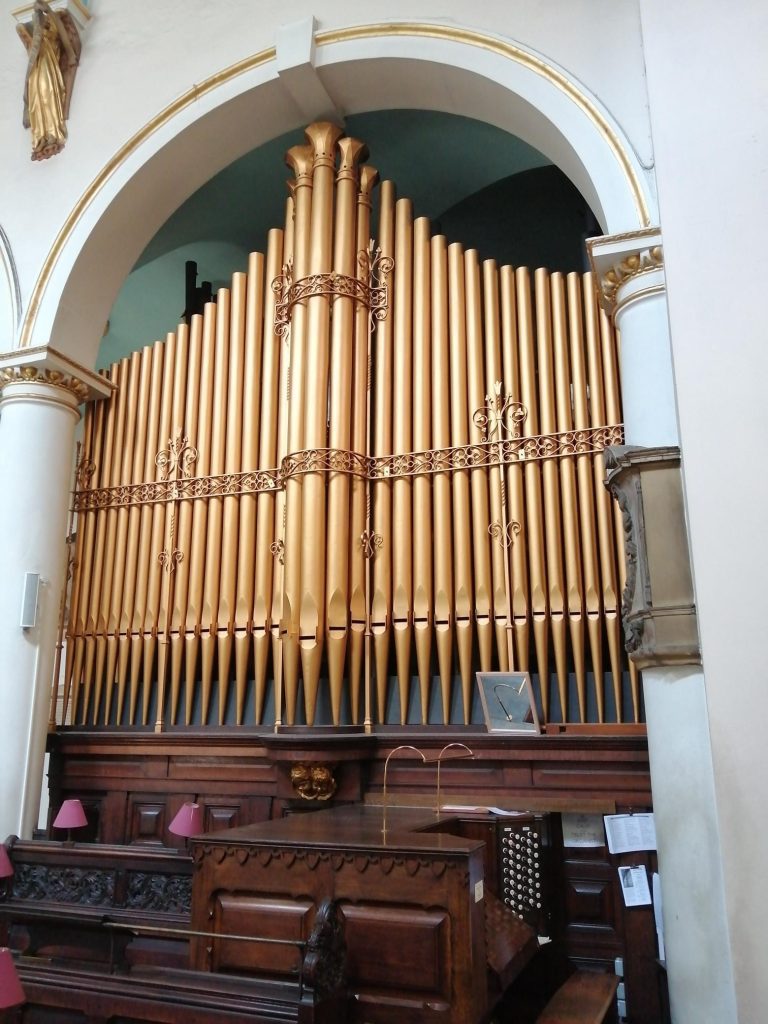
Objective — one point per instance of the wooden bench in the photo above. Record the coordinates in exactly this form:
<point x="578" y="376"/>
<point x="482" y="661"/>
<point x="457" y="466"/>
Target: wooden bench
<point x="103" y="932"/>
<point x="586" y="998"/>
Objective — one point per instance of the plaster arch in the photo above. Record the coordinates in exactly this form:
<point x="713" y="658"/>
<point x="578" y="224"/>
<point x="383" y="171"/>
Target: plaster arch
<point x="10" y="293"/>
<point x="429" y="66"/>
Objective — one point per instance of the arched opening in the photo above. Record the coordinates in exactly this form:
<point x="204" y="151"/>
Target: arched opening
<point x="245" y="106"/>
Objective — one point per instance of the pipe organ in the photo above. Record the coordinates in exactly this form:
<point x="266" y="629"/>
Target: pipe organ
<point x="367" y="470"/>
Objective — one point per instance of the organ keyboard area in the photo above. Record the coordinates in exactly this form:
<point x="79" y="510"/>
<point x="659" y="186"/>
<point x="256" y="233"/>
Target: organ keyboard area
<point x="523" y="854"/>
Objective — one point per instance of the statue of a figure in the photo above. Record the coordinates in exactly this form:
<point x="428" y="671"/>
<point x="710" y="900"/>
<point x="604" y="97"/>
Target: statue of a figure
<point x="54" y="52"/>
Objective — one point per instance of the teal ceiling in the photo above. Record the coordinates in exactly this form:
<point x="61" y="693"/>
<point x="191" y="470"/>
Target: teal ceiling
<point x="437" y="159"/>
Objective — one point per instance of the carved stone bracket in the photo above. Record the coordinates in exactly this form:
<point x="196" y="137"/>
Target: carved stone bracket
<point x="658" y="609"/>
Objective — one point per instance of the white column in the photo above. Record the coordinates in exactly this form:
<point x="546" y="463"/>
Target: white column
<point x="630" y="275"/>
<point x="38" y="414"/>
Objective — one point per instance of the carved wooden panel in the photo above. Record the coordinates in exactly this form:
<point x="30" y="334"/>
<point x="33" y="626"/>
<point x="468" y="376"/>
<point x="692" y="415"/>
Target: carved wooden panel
<point x="147" y="822"/>
<point x="589" y="900"/>
<point x="269" y="918"/>
<point x="406" y="948"/>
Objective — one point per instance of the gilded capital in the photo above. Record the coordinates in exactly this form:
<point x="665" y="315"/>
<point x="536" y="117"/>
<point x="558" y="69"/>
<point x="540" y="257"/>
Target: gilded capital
<point x="44" y="366"/>
<point x="634" y="259"/>
<point x="51" y="378"/>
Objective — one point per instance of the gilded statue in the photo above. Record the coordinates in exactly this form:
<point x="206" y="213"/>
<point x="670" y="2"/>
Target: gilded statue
<point x="54" y="52"/>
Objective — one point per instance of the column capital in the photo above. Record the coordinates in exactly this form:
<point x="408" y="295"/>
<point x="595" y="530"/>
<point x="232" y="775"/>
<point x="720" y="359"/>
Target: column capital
<point x="46" y="366"/>
<point x="627" y="267"/>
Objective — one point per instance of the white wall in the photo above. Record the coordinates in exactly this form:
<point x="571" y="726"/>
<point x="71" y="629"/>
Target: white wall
<point x="708" y="92"/>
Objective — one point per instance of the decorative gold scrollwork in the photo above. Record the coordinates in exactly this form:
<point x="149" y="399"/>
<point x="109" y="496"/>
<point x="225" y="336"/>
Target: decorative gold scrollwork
<point x="370" y="542"/>
<point x="499" y="416"/>
<point x="370" y="288"/>
<point x="505" y="535"/>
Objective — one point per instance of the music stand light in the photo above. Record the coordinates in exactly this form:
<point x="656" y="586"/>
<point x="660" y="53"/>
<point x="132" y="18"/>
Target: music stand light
<point x="11" y="992"/>
<point x="71" y="815"/>
<point x="188" y="821"/>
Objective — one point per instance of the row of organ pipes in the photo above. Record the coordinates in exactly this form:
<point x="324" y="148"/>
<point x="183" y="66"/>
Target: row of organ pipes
<point x="272" y="566"/>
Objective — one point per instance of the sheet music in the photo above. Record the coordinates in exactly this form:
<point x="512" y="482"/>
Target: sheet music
<point x="628" y="833"/>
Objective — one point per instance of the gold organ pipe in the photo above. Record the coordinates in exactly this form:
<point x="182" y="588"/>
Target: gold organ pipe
<point x="502" y="584"/>
<point x="553" y="525"/>
<point x="185" y="515"/>
<point x="323" y="136"/>
<point x="117" y="667"/>
<point x="278" y="550"/>
<point x="402" y="436"/>
<point x="168" y="575"/>
<point x="110" y="538"/>
<point x="82" y="579"/>
<point x="569" y="492"/>
<point x="338" y="533"/>
<point x="606" y="537"/>
<point x="534" y="512"/>
<point x="584" y="472"/>
<point x="423" y="537"/>
<point x="484" y="615"/>
<point x="97" y="562"/>
<point x="197" y="557"/>
<point x="441" y="484"/>
<point x="269" y="507"/>
<point x="381" y="605"/>
<point x="144" y="559"/>
<point x="225" y="618"/>
<point x="125" y="671"/>
<point x="359" y="565"/>
<point x="462" y="543"/>
<point x="610" y="356"/>
<point x="300" y="159"/>
<point x="515" y="474"/>
<point x="213" y="551"/>
<point x="251" y="423"/>
<point x="157" y="588"/>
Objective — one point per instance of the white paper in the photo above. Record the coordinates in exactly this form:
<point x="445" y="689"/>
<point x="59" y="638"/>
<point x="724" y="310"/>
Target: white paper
<point x="657" y="913"/>
<point x="628" y="833"/>
<point x="583" y="830"/>
<point x="634" y="886"/>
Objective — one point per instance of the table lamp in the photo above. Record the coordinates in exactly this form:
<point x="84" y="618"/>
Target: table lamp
<point x="11" y="992"/>
<point x="71" y="815"/>
<point x="188" y="821"/>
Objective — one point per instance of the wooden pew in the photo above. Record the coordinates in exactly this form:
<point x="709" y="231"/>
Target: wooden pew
<point x="103" y="933"/>
<point x="586" y="998"/>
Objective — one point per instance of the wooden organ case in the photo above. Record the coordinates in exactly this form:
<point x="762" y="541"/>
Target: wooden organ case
<point x="306" y="518"/>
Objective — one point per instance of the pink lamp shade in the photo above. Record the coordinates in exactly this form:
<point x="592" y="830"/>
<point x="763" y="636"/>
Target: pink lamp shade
<point x="6" y="868"/>
<point x="11" y="992"/>
<point x="71" y="815"/>
<point x="188" y="822"/>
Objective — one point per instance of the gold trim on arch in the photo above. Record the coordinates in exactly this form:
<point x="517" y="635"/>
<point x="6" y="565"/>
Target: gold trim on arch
<point x="220" y="78"/>
<point x="520" y="56"/>
<point x="422" y="30"/>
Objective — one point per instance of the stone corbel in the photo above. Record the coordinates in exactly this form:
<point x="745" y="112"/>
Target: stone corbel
<point x="658" y="609"/>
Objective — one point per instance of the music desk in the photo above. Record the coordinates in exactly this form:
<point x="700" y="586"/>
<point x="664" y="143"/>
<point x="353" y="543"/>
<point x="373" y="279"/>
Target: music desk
<point x="414" y="904"/>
